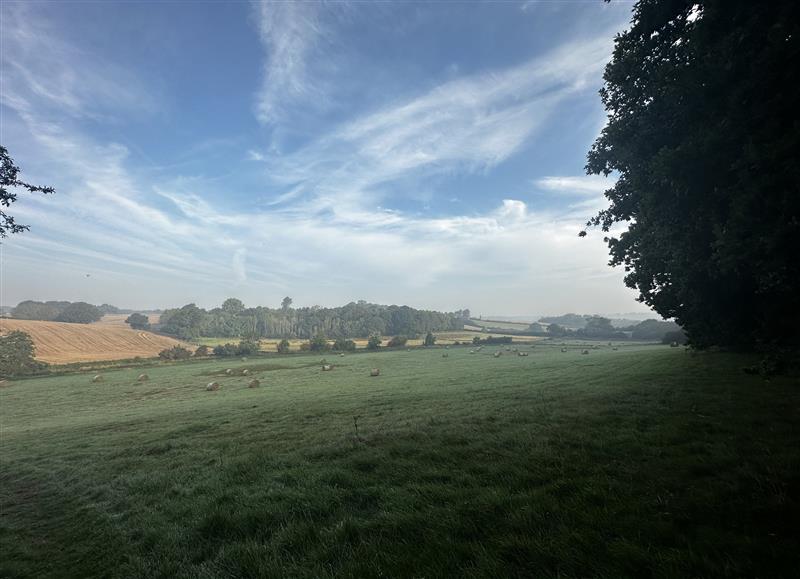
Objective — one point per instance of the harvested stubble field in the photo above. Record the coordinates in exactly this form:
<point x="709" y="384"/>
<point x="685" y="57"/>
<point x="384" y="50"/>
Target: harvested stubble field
<point x="641" y="462"/>
<point x="61" y="343"/>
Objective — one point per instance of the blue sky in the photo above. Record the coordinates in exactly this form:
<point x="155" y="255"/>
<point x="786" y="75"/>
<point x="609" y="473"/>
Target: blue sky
<point x="422" y="153"/>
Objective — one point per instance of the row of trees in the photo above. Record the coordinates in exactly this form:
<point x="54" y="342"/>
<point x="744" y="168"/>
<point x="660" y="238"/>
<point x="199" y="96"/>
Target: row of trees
<point x="57" y="311"/>
<point x="598" y="327"/>
<point x="356" y="319"/>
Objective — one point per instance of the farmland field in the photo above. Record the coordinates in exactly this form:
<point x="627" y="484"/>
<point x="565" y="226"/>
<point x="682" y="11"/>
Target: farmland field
<point x="500" y="325"/>
<point x="641" y="462"/>
<point x="442" y="338"/>
<point x="62" y="343"/>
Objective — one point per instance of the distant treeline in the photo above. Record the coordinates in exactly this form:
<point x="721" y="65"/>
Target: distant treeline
<point x="598" y="327"/>
<point x="356" y="319"/>
<point x="73" y="312"/>
<point x="63" y="311"/>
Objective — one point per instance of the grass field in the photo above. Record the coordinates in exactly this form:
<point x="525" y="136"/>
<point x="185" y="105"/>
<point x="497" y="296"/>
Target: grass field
<point x="641" y="462"/>
<point x="109" y="339"/>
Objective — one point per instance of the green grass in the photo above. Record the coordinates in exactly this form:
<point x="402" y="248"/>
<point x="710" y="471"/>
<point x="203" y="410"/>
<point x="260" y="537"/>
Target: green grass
<point x="642" y="462"/>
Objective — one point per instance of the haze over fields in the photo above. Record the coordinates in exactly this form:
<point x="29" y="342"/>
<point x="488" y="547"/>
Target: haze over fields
<point x="319" y="150"/>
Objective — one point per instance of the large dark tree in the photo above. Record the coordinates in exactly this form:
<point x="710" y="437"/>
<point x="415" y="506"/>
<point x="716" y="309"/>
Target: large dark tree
<point x="703" y="133"/>
<point x="9" y="185"/>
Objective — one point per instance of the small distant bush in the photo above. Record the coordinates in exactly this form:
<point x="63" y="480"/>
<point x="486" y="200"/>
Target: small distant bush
<point x="17" y="353"/>
<point x="224" y="350"/>
<point x="397" y="342"/>
<point x="138" y="322"/>
<point x="374" y="343"/>
<point x="248" y="348"/>
<point x="243" y="348"/>
<point x="283" y="346"/>
<point x="342" y="345"/>
<point x="430" y="339"/>
<point x="175" y="353"/>
<point x="493" y="340"/>
<point x="202" y="351"/>
<point x="318" y="343"/>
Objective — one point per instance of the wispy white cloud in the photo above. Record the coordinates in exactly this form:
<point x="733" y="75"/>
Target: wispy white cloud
<point x="42" y="71"/>
<point x="290" y="32"/>
<point x="591" y="185"/>
<point x="467" y="124"/>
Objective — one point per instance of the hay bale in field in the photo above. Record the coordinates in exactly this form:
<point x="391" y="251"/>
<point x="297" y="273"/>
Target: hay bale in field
<point x="254" y="383"/>
<point x="143" y="378"/>
<point x="615" y="348"/>
<point x="245" y="372"/>
<point x="211" y="386"/>
<point x="472" y="351"/>
<point x="563" y="349"/>
<point x="585" y="352"/>
<point x="244" y="359"/>
<point x="228" y="371"/>
<point x="673" y="345"/>
<point x="327" y="367"/>
<point x="522" y="353"/>
<point x="447" y="347"/>
<point x="97" y="378"/>
<point x="375" y="372"/>
<point x="497" y="354"/>
<point x="341" y="355"/>
<point x="444" y="355"/>
<point x="508" y="348"/>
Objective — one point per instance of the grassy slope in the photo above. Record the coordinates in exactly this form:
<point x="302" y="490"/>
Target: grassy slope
<point x="641" y="462"/>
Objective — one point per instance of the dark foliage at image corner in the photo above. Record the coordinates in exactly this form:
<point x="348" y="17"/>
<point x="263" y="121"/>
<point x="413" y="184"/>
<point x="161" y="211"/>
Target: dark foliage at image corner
<point x="703" y="134"/>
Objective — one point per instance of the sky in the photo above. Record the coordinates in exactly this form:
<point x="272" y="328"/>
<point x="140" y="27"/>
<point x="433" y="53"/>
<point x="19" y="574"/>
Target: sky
<point x="428" y="154"/>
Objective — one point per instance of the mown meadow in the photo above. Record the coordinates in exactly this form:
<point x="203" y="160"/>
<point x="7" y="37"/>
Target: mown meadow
<point x="645" y="461"/>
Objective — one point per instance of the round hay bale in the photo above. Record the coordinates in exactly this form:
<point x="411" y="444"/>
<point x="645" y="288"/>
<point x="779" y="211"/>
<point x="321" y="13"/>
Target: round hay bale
<point x="341" y="355"/>
<point x="522" y="353"/>
<point x="245" y="372"/>
<point x="444" y="355"/>
<point x="211" y="386"/>
<point x="615" y="348"/>
<point x="143" y="378"/>
<point x="472" y="351"/>
<point x="585" y="352"/>
<point x="228" y="371"/>
<point x="563" y="349"/>
<point x="497" y="354"/>
<point x="673" y="345"/>
<point x="375" y="372"/>
<point x="97" y="378"/>
<point x="254" y="383"/>
<point x="244" y="359"/>
<point x="327" y="367"/>
<point x="508" y="348"/>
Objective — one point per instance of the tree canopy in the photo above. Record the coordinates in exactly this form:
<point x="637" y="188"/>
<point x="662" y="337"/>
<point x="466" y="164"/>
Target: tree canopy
<point x="17" y="353"/>
<point x="9" y="184"/>
<point x="702" y="133"/>
<point x="138" y="321"/>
